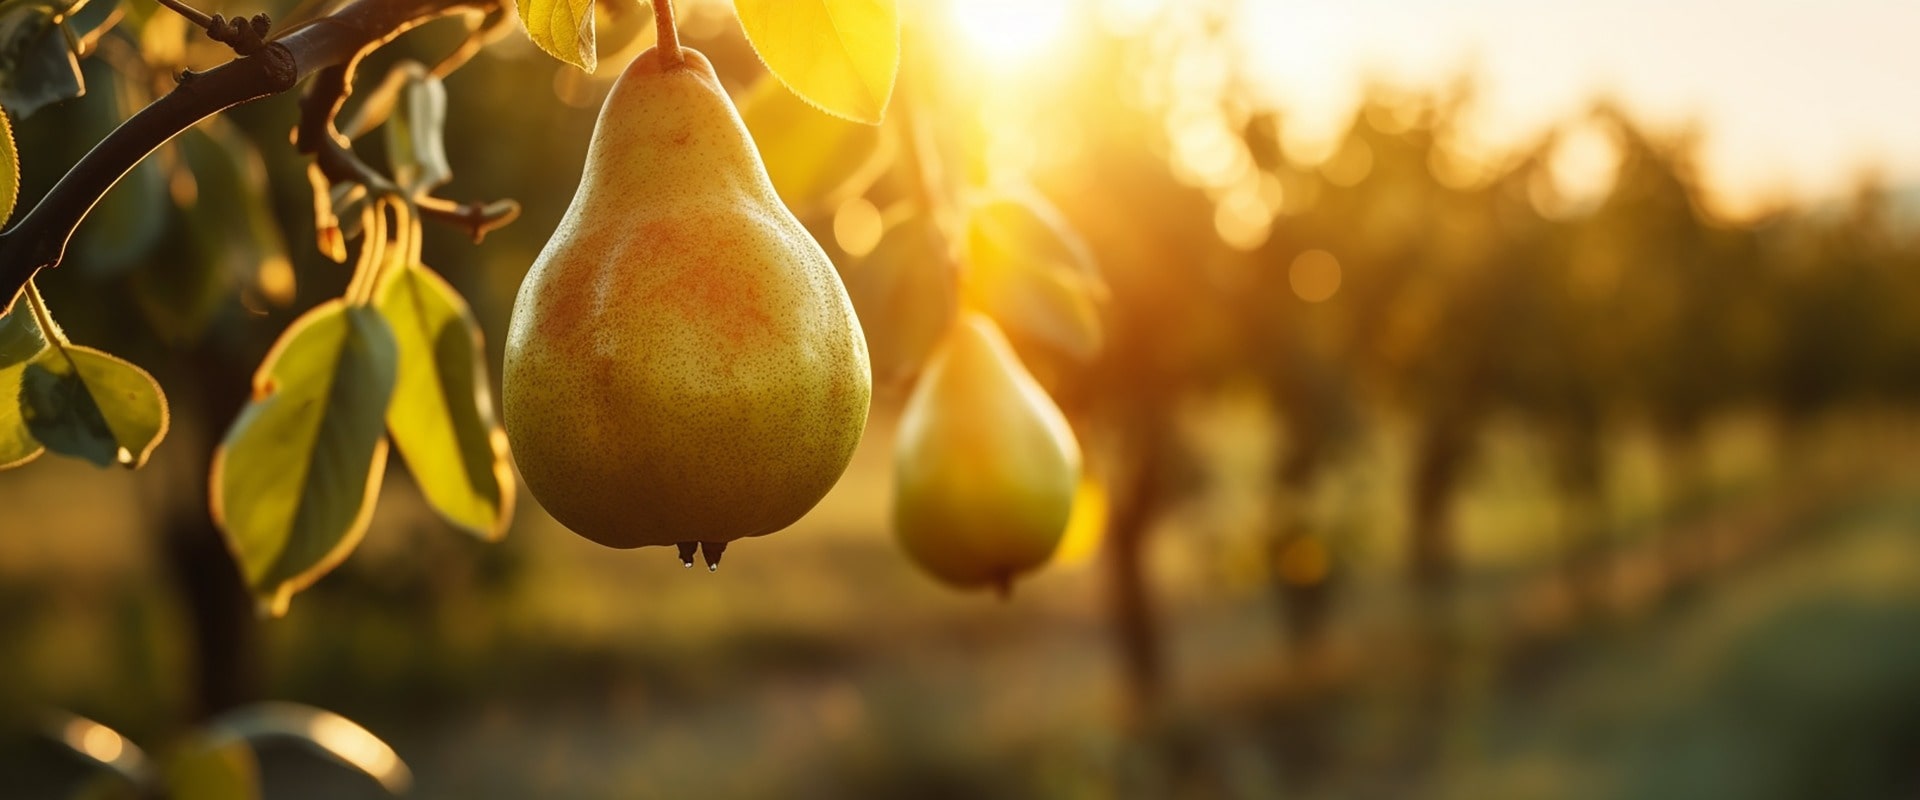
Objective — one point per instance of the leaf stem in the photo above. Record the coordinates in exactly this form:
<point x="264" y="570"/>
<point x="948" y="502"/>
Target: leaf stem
<point x="49" y="328"/>
<point x="44" y="318"/>
<point x="402" y="249"/>
<point x="373" y="251"/>
<point x="669" y="36"/>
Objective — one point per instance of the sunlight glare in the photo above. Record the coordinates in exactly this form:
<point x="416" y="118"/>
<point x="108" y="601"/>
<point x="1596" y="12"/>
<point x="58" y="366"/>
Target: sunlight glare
<point x="1009" y="34"/>
<point x="1584" y="164"/>
<point x="1129" y="17"/>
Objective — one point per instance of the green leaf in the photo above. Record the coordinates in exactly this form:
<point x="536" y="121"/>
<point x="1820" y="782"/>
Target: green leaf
<point x="840" y="55"/>
<point x="905" y="294"/>
<point x="37" y="62"/>
<point x="816" y="161"/>
<point x="9" y="170"/>
<point x="1031" y="272"/>
<point x="84" y="403"/>
<point x="20" y="341"/>
<point x="207" y="769"/>
<point x="20" y="336"/>
<point x="563" y="28"/>
<point x="295" y="479"/>
<point x="441" y="417"/>
<point x="325" y="732"/>
<point x="415" y="135"/>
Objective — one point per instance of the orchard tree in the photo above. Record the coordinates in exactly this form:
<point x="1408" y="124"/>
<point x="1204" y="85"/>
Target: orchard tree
<point x="684" y="366"/>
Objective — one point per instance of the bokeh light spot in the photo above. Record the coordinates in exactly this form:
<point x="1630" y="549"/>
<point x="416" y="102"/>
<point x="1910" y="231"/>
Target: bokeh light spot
<point x="1314" y="276"/>
<point x="1350" y="165"/>
<point x="1582" y="168"/>
<point x="1242" y="219"/>
<point x="857" y="226"/>
<point x="99" y="742"/>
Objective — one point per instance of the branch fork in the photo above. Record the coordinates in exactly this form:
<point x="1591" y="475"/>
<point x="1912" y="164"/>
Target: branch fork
<point x="264" y="67"/>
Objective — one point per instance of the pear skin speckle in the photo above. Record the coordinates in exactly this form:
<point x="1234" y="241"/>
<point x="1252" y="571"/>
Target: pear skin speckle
<point x="683" y="364"/>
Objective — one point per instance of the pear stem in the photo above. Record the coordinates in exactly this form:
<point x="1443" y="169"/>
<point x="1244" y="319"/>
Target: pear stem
<point x="669" y="36"/>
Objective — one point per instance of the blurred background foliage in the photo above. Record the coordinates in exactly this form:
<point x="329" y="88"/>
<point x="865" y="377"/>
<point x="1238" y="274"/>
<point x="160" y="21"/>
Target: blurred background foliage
<point x="1428" y="470"/>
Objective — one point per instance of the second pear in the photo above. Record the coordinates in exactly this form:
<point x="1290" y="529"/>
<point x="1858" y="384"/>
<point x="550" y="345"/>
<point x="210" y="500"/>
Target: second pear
<point x="985" y="465"/>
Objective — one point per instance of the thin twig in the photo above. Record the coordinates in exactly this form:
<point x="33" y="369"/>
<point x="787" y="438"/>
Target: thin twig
<point x="196" y="16"/>
<point x="478" y="219"/>
<point x="246" y="35"/>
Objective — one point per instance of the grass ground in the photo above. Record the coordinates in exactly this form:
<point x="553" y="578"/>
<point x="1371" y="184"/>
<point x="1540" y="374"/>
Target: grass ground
<point x="816" y="663"/>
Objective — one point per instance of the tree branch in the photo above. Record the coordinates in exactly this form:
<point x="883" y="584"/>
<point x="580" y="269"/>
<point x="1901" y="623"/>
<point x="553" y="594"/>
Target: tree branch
<point x="39" y="239"/>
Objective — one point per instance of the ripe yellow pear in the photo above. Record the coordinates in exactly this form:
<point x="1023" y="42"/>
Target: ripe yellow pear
<point x="985" y="465"/>
<point x="683" y="366"/>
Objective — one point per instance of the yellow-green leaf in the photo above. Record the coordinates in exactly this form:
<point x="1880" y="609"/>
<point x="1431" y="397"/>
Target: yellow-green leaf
<point x="840" y="55"/>
<point x="1030" y="271"/>
<point x="441" y="417"/>
<point x="9" y="169"/>
<point x="563" y="28"/>
<point x="84" y="403"/>
<point x="20" y="341"/>
<point x="295" y="479"/>
<point x="1057" y="307"/>
<point x="905" y="295"/>
<point x="205" y="768"/>
<point x="816" y="161"/>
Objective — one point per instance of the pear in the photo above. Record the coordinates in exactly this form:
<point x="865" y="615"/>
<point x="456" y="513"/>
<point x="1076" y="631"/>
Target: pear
<point x="683" y="366"/>
<point x="985" y="465"/>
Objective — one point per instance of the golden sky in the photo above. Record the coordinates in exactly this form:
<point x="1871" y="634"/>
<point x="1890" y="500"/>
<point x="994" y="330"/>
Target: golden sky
<point x="1794" y="97"/>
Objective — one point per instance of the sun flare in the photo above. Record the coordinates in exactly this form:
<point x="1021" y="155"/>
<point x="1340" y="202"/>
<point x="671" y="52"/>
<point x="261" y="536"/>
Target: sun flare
<point x="1010" y="33"/>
